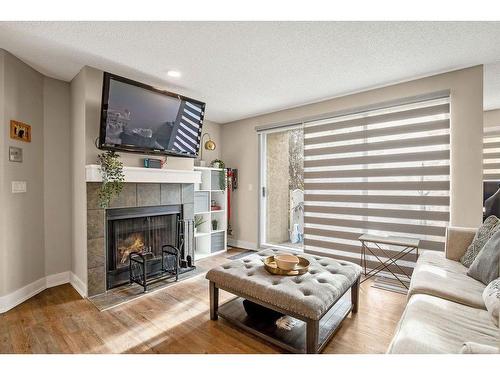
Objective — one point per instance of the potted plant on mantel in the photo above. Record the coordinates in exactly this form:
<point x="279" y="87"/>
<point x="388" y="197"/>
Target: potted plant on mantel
<point x="113" y="178"/>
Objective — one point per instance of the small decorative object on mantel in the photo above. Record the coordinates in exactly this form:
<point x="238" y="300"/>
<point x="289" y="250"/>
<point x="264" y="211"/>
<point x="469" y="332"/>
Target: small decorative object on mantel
<point x="20" y="131"/>
<point x="217" y="163"/>
<point x="112" y="177"/>
<point x="215" y="224"/>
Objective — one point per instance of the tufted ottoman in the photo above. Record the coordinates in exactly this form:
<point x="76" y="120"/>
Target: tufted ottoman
<point x="318" y="298"/>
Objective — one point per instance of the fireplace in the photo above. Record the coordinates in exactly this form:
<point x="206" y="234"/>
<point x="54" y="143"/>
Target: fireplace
<point x="142" y="230"/>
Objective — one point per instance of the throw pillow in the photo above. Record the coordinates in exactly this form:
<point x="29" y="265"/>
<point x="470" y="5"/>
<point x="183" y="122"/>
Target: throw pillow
<point x="485" y="267"/>
<point x="491" y="298"/>
<point x="485" y="231"/>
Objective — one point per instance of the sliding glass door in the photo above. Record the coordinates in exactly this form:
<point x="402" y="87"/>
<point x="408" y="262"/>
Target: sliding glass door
<point x="282" y="188"/>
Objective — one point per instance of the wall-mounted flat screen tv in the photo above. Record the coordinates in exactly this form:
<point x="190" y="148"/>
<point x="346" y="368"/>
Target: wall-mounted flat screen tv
<point x="139" y="118"/>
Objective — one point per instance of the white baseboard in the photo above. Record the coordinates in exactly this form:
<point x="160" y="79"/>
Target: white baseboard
<point x="242" y="244"/>
<point x="20" y="295"/>
<point x="78" y="284"/>
<point x="57" y="279"/>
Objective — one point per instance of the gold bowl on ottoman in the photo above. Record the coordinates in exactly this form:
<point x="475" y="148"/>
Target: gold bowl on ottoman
<point x="271" y="266"/>
<point x="286" y="262"/>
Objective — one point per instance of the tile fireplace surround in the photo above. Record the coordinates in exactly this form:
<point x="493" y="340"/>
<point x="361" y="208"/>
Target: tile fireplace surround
<point x="132" y="195"/>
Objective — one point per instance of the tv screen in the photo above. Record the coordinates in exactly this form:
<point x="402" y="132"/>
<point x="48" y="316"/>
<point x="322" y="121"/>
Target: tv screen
<point x="140" y="118"/>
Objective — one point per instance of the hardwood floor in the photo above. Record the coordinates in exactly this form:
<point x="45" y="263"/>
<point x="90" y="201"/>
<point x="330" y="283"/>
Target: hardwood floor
<point x="173" y="320"/>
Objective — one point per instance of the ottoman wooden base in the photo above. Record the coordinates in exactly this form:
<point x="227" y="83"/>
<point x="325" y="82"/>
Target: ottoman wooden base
<point x="308" y="336"/>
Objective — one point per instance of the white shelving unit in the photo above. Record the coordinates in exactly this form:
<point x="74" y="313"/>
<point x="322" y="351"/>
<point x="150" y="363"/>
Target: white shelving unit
<point x="208" y="241"/>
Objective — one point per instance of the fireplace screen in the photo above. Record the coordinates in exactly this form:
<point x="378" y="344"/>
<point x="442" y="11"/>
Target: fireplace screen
<point x="142" y="232"/>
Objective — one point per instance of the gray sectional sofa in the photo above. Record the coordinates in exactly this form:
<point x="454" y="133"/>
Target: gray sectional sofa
<point x="445" y="307"/>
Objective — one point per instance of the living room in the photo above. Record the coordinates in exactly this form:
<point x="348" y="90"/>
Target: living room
<point x="276" y="195"/>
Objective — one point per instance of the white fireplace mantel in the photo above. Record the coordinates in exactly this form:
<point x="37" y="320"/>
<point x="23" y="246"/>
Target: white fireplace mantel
<point x="138" y="174"/>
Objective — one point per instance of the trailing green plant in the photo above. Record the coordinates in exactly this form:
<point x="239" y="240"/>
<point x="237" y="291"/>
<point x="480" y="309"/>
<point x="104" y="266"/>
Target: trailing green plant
<point x="113" y="178"/>
<point x="217" y="163"/>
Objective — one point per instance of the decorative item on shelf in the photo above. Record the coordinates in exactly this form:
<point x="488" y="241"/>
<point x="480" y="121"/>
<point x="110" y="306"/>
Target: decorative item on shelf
<point x="112" y="177"/>
<point x="208" y="145"/>
<point x="215" y="224"/>
<point x="217" y="163"/>
<point x="198" y="220"/>
<point x="214" y="206"/>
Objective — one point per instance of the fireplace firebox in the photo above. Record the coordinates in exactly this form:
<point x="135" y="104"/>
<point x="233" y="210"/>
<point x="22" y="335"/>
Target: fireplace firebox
<point x="144" y="230"/>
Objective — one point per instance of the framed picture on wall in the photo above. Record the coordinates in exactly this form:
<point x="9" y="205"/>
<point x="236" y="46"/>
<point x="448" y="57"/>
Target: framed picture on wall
<point x="20" y="131"/>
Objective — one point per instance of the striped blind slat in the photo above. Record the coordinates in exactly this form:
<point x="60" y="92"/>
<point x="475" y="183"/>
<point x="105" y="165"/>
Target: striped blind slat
<point x="406" y="129"/>
<point x="377" y="146"/>
<point x="379" y="159"/>
<point x="370" y="226"/>
<point x="382" y="172"/>
<point x="396" y="199"/>
<point x="491" y="156"/>
<point x="492" y="145"/>
<point x="398" y="185"/>
<point x="325" y="125"/>
<point x="491" y="166"/>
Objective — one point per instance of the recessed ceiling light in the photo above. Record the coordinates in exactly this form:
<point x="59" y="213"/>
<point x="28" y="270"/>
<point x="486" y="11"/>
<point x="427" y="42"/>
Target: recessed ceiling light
<point x="173" y="73"/>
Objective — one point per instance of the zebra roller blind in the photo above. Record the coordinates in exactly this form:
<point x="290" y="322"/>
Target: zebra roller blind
<point x="491" y="155"/>
<point x="383" y="172"/>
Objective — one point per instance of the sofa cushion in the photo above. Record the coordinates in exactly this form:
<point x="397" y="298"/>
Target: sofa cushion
<point x="484" y="233"/>
<point x="437" y="276"/>
<point x="485" y="266"/>
<point x="435" y="325"/>
<point x="491" y="297"/>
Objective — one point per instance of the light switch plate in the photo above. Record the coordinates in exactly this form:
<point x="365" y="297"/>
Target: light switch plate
<point x="19" y="186"/>
<point x="16" y="154"/>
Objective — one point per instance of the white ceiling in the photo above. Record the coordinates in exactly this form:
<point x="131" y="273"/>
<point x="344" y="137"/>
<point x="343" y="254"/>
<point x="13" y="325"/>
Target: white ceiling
<point x="242" y="69"/>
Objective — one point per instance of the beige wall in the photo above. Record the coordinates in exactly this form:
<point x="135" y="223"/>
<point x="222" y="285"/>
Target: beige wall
<point x="57" y="176"/>
<point x="214" y="130"/>
<point x="3" y="151"/>
<point x="466" y="86"/>
<point x="23" y="213"/>
<point x="35" y="236"/>
<point x="79" y="191"/>
<point x="492" y="118"/>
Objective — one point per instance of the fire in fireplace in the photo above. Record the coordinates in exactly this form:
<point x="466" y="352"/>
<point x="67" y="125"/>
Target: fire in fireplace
<point x="142" y="230"/>
<point x="132" y="243"/>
